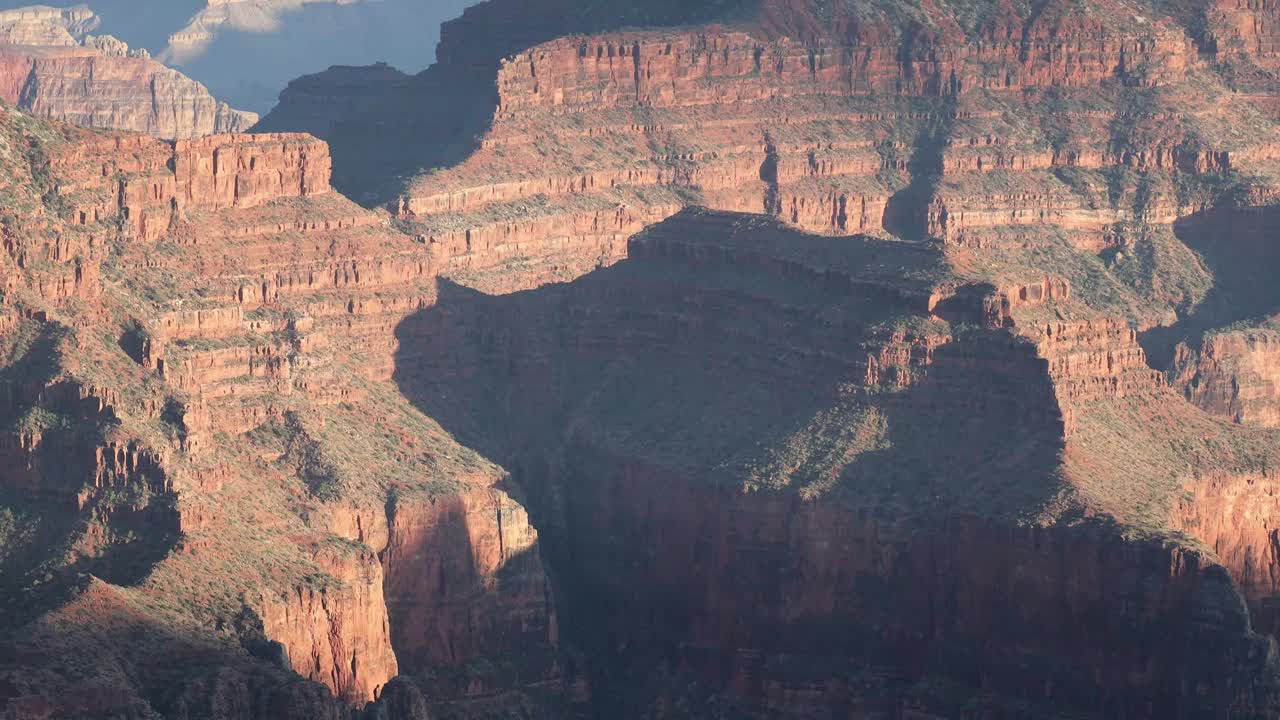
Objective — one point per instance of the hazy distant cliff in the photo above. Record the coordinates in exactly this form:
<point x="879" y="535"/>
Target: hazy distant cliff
<point x="51" y="66"/>
<point x="246" y="51"/>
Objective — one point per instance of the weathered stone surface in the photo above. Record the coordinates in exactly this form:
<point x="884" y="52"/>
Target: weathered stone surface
<point x="690" y="544"/>
<point x="1234" y="374"/>
<point x="51" y="67"/>
<point x="465" y="581"/>
<point x="808" y="117"/>
<point x="337" y="636"/>
<point x="887" y="435"/>
<point x="43" y="25"/>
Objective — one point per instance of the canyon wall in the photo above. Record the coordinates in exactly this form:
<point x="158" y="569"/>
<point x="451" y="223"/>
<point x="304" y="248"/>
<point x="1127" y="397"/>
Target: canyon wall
<point x="886" y="434"/>
<point x="975" y="134"/>
<point x="51" y="67"/>
<point x="859" y="489"/>
<point x="208" y="405"/>
<point x="1233" y="374"/>
<point x="860" y="595"/>
<point x="338" y="637"/>
<point x="466" y="585"/>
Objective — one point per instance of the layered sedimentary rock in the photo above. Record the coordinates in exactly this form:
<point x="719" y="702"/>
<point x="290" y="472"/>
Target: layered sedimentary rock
<point x="466" y="585"/>
<point x="42" y="25"/>
<point x="968" y="130"/>
<point x="178" y="407"/>
<point x="825" y="491"/>
<point x="51" y="67"/>
<point x="1233" y="374"/>
<point x="1244" y="29"/>
<point x="338" y="636"/>
<point x="902" y="429"/>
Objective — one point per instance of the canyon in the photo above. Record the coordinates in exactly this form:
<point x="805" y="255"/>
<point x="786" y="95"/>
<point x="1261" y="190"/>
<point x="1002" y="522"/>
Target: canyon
<point x="246" y="51"/>
<point x="52" y="67"/>
<point x="656" y="359"/>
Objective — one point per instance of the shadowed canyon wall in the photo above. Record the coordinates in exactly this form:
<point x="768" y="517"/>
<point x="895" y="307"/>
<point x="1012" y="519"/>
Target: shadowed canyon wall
<point x="872" y="525"/>
<point x="957" y="406"/>
<point x="140" y="483"/>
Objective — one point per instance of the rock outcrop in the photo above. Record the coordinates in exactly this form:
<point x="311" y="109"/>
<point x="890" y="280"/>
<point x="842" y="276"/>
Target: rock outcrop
<point x="1234" y="374"/>
<point x="927" y="417"/>
<point x="836" y="124"/>
<point x="824" y="493"/>
<point x="185" y="255"/>
<point x="465" y="586"/>
<point x="42" y="25"/>
<point x="338" y="636"/>
<point x="51" y="67"/>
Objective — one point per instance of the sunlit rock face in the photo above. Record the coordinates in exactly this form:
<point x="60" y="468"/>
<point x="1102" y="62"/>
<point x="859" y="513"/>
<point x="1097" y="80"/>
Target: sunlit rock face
<point x="54" y="66"/>
<point x="729" y="359"/>
<point x="247" y="51"/>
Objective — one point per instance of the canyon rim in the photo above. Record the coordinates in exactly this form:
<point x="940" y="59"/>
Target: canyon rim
<point x="653" y="360"/>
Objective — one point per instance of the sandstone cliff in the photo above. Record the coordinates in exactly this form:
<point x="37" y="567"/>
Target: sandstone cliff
<point x="1233" y="374"/>
<point x="831" y="371"/>
<point x="166" y="297"/>
<point x="936" y="416"/>
<point x="837" y="124"/>
<point x="51" y="67"/>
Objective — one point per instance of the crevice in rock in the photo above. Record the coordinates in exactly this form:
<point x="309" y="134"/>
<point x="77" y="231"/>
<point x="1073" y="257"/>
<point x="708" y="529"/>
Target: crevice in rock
<point x="1240" y="246"/>
<point x="906" y="215"/>
<point x="769" y="176"/>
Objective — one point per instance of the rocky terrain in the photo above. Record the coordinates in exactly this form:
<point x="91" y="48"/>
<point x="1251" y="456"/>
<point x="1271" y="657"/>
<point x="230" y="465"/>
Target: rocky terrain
<point x="53" y="67"/>
<point x="749" y="359"/>
<point x="247" y="51"/>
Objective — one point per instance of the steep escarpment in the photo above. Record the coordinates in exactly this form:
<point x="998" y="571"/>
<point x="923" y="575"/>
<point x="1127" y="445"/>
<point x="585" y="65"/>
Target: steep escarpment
<point x="863" y="425"/>
<point x="466" y="589"/>
<point x="52" y="67"/>
<point x="926" y="418"/>
<point x="976" y="127"/>
<point x="1233" y="374"/>
<point x="1219" y="352"/>
<point x="201" y="445"/>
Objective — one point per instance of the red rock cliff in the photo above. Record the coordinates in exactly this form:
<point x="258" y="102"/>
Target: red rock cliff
<point x="52" y="68"/>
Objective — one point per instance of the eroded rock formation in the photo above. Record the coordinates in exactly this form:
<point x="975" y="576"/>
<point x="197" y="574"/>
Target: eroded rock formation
<point x="1234" y="374"/>
<point x="184" y="256"/>
<point x="52" y="67"/>
<point x="823" y="503"/>
<point x="955" y="404"/>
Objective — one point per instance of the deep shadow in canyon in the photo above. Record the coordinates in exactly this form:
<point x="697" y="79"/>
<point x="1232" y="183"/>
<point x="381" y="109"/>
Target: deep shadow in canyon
<point x="736" y="516"/>
<point x="72" y="504"/>
<point x="384" y="126"/>
<point x="1240" y="247"/>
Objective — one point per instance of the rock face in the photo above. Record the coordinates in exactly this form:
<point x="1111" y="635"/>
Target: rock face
<point x="337" y="637"/>
<point x="156" y="186"/>
<point x="210" y="239"/>
<point x="41" y="25"/>
<point x="1234" y="374"/>
<point x="837" y="124"/>
<point x="51" y="67"/>
<point x="927" y="416"/>
<point x="442" y="590"/>
<point x="673" y="543"/>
